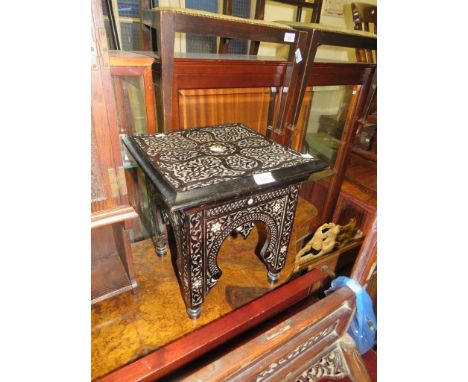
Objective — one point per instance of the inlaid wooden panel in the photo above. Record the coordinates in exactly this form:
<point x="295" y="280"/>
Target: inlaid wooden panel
<point x="205" y="107"/>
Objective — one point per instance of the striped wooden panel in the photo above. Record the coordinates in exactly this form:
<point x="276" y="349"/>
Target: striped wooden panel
<point x="205" y="107"/>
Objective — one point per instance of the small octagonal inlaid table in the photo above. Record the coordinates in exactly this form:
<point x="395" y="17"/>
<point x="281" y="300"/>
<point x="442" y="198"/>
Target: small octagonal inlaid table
<point x="210" y="182"/>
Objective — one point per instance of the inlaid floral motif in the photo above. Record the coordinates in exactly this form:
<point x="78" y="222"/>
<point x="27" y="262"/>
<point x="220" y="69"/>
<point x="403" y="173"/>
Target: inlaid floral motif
<point x="195" y="158"/>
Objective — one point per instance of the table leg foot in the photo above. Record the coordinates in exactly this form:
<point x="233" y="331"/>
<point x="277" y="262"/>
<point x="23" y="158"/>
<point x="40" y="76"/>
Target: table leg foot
<point x="161" y="249"/>
<point x="273" y="277"/>
<point x="160" y="246"/>
<point x="194" y="313"/>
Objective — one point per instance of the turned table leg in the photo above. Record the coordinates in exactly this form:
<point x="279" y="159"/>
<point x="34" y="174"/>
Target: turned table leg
<point x="158" y="228"/>
<point x="190" y="259"/>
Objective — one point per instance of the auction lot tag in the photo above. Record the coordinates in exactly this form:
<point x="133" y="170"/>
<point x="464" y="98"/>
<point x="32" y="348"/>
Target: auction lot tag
<point x="298" y="55"/>
<point x="289" y="37"/>
<point x="263" y="178"/>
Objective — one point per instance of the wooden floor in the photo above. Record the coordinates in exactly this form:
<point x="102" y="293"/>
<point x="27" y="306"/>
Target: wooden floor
<point x="127" y="327"/>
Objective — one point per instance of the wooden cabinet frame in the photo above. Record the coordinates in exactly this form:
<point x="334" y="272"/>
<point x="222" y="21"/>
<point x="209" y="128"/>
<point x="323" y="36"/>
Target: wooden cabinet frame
<point x="124" y="64"/>
<point x="168" y="21"/>
<point x="318" y="35"/>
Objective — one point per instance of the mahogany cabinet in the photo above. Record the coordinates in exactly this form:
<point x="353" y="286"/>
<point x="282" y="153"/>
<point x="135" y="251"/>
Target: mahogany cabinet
<point x="132" y="81"/>
<point x="134" y="93"/>
<point x="112" y="269"/>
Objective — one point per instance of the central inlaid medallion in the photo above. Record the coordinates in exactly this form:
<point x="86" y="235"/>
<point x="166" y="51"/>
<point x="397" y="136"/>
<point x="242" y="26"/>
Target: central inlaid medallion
<point x="218" y="148"/>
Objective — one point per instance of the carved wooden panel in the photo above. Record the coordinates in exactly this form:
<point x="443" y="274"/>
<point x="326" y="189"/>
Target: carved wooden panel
<point x="309" y="345"/>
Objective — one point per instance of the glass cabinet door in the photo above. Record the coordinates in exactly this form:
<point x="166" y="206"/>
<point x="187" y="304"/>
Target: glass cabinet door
<point x="130" y="98"/>
<point x="323" y="131"/>
<point x="329" y="111"/>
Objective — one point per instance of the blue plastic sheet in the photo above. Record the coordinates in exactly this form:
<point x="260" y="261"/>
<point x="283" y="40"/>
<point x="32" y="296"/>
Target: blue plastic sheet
<point x="363" y="328"/>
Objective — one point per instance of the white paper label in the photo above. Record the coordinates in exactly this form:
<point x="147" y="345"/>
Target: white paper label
<point x="263" y="178"/>
<point x="289" y="37"/>
<point x="298" y="55"/>
<point x="307" y="156"/>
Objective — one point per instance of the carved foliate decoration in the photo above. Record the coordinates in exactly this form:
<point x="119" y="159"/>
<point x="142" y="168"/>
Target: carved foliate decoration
<point x="330" y="366"/>
<point x="297" y="352"/>
<point x="194" y="158"/>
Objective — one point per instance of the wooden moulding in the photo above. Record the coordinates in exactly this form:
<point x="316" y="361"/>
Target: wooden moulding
<point x="124" y="58"/>
<point x="111" y="216"/>
<point x="182" y="351"/>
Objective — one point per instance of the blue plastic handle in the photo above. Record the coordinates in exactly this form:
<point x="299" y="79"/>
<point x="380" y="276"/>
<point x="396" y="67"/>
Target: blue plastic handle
<point x="363" y="328"/>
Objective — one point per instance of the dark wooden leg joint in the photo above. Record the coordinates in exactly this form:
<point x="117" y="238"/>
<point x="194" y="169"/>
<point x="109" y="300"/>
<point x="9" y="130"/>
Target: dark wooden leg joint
<point x="158" y="226"/>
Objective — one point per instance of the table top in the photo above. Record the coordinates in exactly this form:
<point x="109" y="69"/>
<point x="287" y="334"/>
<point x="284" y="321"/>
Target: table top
<point x="200" y="165"/>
